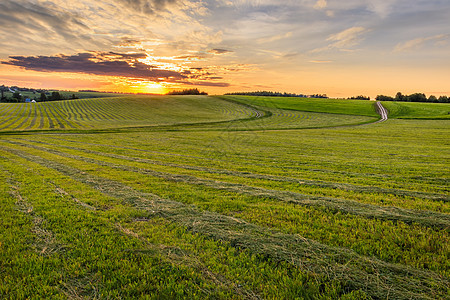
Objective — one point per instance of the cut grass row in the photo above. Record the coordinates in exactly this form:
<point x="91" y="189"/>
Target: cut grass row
<point x="288" y="216"/>
<point x="108" y="248"/>
<point x="335" y="264"/>
<point x="163" y="111"/>
<point x="421" y="217"/>
<point x="118" y="112"/>
<point x="383" y="159"/>
<point x="404" y="198"/>
<point x="331" y="106"/>
<point x="220" y="211"/>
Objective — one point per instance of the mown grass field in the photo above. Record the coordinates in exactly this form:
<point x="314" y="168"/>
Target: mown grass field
<point x="228" y="198"/>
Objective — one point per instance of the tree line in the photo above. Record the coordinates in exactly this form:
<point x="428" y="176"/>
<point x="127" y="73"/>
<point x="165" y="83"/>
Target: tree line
<point x="53" y="96"/>
<point x="276" y="94"/>
<point x="187" y="92"/>
<point x="416" y="97"/>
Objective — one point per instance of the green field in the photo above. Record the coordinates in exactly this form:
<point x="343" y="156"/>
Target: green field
<point x="199" y="197"/>
<point x="409" y="110"/>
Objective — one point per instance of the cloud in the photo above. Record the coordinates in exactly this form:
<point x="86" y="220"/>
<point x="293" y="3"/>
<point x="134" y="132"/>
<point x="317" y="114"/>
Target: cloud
<point x="207" y="83"/>
<point x="320" y="61"/>
<point x="219" y="51"/>
<point x="321" y="4"/>
<point x="347" y="38"/>
<point x="147" y="6"/>
<point x="13" y="13"/>
<point x="97" y="63"/>
<point x="275" y="38"/>
<point x="419" y="42"/>
<point x="344" y="39"/>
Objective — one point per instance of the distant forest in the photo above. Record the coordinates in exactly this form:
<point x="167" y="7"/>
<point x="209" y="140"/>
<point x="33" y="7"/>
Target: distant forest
<point x="276" y="94"/>
<point x="416" y="97"/>
<point x="187" y="92"/>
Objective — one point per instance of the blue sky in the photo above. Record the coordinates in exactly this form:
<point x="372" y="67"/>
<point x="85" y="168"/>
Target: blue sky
<point x="342" y="48"/>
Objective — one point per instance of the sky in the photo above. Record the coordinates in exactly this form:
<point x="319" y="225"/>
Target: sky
<point x="339" y="48"/>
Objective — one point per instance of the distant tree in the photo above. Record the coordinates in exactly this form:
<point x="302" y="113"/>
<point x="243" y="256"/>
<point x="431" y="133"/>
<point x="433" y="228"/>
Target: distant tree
<point x="384" y="98"/>
<point x="433" y="99"/>
<point x="400" y="97"/>
<point x="444" y="99"/>
<point x="417" y="97"/>
<point x="187" y="92"/>
<point x="359" y="98"/>
<point x="43" y="97"/>
<point x="55" y="96"/>
<point x="17" y="96"/>
<point x="3" y="89"/>
<point x="268" y="94"/>
<point x="74" y="96"/>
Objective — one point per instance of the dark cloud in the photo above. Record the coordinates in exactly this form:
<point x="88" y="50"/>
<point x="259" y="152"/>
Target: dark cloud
<point x="208" y="83"/>
<point x="128" y="55"/>
<point x="24" y="19"/>
<point x="147" y="6"/>
<point x="219" y="51"/>
<point x="97" y="63"/>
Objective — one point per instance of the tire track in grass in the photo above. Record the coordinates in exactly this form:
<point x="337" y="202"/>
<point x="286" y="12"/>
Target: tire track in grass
<point x="425" y="218"/>
<point x="300" y="181"/>
<point x="382" y="111"/>
<point x="375" y="277"/>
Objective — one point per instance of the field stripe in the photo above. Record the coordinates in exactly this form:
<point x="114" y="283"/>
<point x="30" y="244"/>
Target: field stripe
<point x="60" y="113"/>
<point x="300" y="181"/>
<point x="409" y="216"/>
<point x="51" y="109"/>
<point x="379" y="279"/>
<point x="75" y="105"/>
<point x="33" y="121"/>
<point x="102" y="107"/>
<point x="50" y="121"/>
<point x="9" y="109"/>
<point x="86" y="111"/>
<point x="41" y="116"/>
<point x="68" y="110"/>
<point x="11" y="116"/>
<point x="30" y="109"/>
<point x="443" y="182"/>
<point x="15" y="118"/>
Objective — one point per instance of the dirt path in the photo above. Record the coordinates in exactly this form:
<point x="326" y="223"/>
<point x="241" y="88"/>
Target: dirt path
<point x="382" y="111"/>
